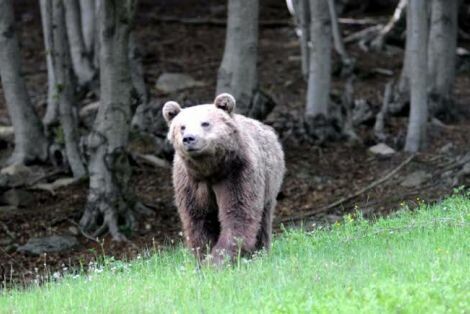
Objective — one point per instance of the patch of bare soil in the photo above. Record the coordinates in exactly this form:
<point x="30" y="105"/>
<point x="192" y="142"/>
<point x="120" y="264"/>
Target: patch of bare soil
<point x="316" y="176"/>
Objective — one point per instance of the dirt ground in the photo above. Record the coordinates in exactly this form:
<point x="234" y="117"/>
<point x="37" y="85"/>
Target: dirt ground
<point x="316" y="176"/>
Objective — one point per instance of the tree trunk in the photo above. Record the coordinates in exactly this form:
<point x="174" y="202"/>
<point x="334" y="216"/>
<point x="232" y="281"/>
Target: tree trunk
<point x="30" y="142"/>
<point x="378" y="42"/>
<point x="80" y="59"/>
<point x="137" y="75"/>
<point x="346" y="62"/>
<point x="319" y="78"/>
<point x="137" y="71"/>
<point x="418" y="30"/>
<point x="87" y="10"/>
<point x="65" y="90"/>
<point x="442" y="53"/>
<point x="52" y="109"/>
<point x="238" y="72"/>
<point x="96" y="44"/>
<point x="402" y="91"/>
<point x="302" y="18"/>
<point x="109" y="199"/>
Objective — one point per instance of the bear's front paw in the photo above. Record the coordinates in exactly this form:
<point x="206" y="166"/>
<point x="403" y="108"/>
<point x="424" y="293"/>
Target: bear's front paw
<point x="218" y="258"/>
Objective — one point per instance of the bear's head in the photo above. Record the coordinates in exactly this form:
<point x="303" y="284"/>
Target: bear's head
<point x="203" y="130"/>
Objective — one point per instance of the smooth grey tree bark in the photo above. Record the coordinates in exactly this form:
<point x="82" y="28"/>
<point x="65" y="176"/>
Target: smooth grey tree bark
<point x="65" y="90"/>
<point x="238" y="73"/>
<point x="319" y="78"/>
<point x="30" y="142"/>
<point x="302" y="18"/>
<point x="418" y="31"/>
<point x="378" y="42"/>
<point x="52" y="109"/>
<point x="137" y="76"/>
<point x="401" y="94"/>
<point x="88" y="18"/>
<point x="81" y="61"/>
<point x="96" y="49"/>
<point x="109" y="196"/>
<point x="442" y="53"/>
<point x="346" y="61"/>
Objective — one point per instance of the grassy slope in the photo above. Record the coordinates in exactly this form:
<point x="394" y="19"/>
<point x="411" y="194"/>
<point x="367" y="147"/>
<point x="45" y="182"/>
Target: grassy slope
<point x="409" y="263"/>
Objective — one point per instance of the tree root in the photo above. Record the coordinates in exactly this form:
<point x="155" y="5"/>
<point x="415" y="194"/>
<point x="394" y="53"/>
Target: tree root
<point x="101" y="217"/>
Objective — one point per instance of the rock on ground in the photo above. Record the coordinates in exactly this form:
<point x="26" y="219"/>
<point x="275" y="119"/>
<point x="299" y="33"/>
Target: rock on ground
<point x="382" y="149"/>
<point x="51" y="244"/>
<point x="17" y="175"/>
<point x="415" y="179"/>
<point x="16" y="198"/>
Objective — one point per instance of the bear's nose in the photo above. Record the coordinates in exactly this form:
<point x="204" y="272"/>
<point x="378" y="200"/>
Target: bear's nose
<point x="189" y="139"/>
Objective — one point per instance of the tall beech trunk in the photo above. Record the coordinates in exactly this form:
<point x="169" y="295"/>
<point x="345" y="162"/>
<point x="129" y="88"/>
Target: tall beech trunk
<point x="137" y="75"/>
<point x="81" y="61"/>
<point x="30" y="142"/>
<point x="401" y="95"/>
<point x="238" y="71"/>
<point x="346" y="62"/>
<point x="109" y="195"/>
<point x="96" y="45"/>
<point x="88" y="15"/>
<point x="302" y="18"/>
<point x="65" y="89"/>
<point x="52" y="109"/>
<point x="418" y="30"/>
<point x="319" y="74"/>
<point x="442" y="53"/>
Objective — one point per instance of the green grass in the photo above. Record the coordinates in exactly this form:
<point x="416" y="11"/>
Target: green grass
<point x="411" y="262"/>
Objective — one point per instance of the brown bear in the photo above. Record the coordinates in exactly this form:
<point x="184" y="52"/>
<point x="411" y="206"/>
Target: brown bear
<point x="227" y="172"/>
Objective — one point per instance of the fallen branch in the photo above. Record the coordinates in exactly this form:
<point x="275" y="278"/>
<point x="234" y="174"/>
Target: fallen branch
<point x="45" y="177"/>
<point x="59" y="183"/>
<point x="364" y="35"/>
<point x="438" y="123"/>
<point x="153" y="160"/>
<point x="350" y="197"/>
<point x="378" y="42"/>
<point x="456" y="164"/>
<point x="349" y="21"/>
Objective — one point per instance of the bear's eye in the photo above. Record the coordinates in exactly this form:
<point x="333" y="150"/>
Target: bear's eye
<point x="183" y="127"/>
<point x="205" y="124"/>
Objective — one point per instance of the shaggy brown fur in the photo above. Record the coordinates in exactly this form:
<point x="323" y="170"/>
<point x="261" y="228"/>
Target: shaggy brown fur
<point x="227" y="172"/>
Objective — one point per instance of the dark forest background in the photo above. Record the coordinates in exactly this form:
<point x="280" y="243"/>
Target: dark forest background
<point x="353" y="156"/>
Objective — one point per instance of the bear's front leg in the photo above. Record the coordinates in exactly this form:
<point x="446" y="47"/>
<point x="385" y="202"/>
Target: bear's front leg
<point x="240" y="211"/>
<point x="200" y="231"/>
<point x="198" y="213"/>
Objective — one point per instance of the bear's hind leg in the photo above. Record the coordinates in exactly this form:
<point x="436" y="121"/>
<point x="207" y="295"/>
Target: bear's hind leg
<point x="263" y="239"/>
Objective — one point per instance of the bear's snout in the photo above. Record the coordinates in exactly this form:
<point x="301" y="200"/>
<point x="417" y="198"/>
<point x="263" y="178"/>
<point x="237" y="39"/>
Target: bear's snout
<point x="190" y="141"/>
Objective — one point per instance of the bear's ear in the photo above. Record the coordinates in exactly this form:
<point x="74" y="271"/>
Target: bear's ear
<point x="170" y="110"/>
<point x="226" y="102"/>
